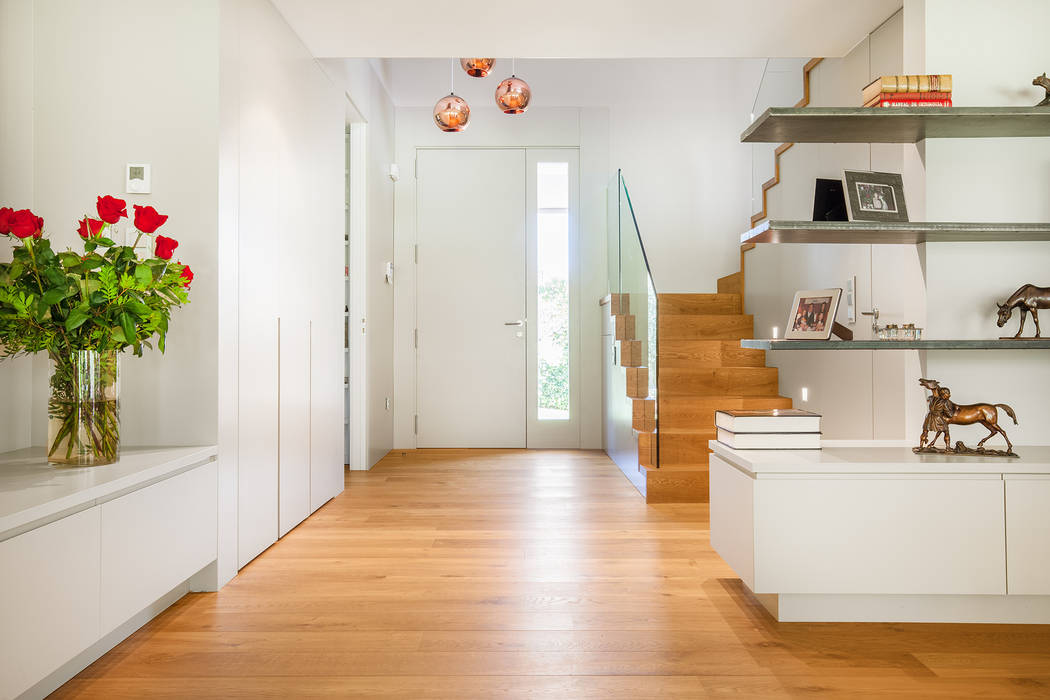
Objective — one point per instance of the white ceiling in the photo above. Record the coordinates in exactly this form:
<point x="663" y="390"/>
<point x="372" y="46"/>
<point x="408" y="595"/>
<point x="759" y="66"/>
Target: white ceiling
<point x="419" y="82"/>
<point x="584" y="28"/>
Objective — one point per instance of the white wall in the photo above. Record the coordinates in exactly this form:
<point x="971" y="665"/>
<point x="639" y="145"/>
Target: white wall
<point x="95" y="111"/>
<point x="364" y="84"/>
<point x="16" y="190"/>
<point x="948" y="288"/>
<point x="674" y="129"/>
<point x="993" y="55"/>
<point x="862" y="394"/>
<point x="539" y="127"/>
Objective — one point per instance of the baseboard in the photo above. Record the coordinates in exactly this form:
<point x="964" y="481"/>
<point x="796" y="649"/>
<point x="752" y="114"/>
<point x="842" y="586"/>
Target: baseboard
<point x="986" y="609"/>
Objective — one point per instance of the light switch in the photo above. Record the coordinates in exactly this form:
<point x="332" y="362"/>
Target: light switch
<point x="138" y="178"/>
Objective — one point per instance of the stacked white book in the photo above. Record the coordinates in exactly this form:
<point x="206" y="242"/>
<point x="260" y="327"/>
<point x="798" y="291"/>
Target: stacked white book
<point x="776" y="429"/>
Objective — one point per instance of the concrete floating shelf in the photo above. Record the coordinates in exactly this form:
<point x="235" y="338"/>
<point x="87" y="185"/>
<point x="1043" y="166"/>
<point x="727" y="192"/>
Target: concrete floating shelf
<point x="871" y="232"/>
<point x="990" y="344"/>
<point x="894" y="124"/>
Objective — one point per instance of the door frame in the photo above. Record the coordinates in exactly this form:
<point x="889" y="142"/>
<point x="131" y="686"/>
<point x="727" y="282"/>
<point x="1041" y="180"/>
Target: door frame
<point x="541" y="434"/>
<point x="357" y="232"/>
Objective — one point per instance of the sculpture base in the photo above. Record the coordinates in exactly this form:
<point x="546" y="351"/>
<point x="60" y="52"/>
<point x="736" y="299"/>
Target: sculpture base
<point x="1020" y="337"/>
<point x="963" y="451"/>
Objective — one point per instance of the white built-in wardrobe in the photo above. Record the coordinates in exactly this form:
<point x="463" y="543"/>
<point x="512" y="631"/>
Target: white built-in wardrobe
<point x="289" y="148"/>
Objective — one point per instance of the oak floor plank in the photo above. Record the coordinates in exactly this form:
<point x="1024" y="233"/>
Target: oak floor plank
<point x="528" y="574"/>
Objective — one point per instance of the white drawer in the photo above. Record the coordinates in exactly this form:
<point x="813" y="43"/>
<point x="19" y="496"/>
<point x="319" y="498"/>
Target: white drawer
<point x="49" y="588"/>
<point x="879" y="534"/>
<point x="154" y="539"/>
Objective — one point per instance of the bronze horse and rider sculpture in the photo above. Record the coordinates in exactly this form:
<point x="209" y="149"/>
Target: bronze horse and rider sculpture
<point x="943" y="413"/>
<point x="1028" y="298"/>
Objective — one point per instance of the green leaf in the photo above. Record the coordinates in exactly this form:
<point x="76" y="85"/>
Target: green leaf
<point x="138" y="308"/>
<point x="102" y="241"/>
<point x="54" y="277"/>
<point x="77" y="318"/>
<point x="143" y="275"/>
<point x="97" y="299"/>
<point x="70" y="260"/>
<point x="53" y="296"/>
<point x="128" y="327"/>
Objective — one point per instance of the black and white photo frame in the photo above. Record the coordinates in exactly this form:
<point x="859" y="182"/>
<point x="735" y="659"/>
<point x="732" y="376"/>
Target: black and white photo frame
<point x="874" y="196"/>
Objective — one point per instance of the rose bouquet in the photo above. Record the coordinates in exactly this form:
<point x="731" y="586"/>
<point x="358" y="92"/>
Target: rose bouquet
<point x="83" y="310"/>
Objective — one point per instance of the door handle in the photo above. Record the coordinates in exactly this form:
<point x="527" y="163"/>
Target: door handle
<point x="514" y="323"/>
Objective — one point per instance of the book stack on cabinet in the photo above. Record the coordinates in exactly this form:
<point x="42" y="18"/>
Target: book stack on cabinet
<point x="775" y="429"/>
<point x="908" y="91"/>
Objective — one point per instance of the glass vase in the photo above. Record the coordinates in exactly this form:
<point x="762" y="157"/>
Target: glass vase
<point x="83" y="427"/>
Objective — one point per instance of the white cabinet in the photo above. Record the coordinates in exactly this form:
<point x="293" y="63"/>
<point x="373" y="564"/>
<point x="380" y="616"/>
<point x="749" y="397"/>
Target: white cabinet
<point x="1028" y="534"/>
<point x="294" y="410"/>
<point x="49" y="592"/>
<point x="870" y="533"/>
<point x="880" y="534"/>
<point x="153" y="539"/>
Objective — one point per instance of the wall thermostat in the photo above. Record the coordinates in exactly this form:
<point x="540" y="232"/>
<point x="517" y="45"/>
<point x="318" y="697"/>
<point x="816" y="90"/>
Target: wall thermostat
<point x="138" y="178"/>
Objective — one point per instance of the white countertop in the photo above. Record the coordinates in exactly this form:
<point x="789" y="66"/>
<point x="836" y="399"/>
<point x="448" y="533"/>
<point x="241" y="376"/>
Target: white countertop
<point x="878" y="458"/>
<point x="33" y="492"/>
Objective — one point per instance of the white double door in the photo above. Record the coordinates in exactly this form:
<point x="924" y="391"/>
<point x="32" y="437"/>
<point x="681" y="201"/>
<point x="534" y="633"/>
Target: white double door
<point x="496" y="296"/>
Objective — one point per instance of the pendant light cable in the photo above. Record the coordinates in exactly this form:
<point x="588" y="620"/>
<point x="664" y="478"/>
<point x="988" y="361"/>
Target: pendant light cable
<point x="452" y="76"/>
<point x="513" y="64"/>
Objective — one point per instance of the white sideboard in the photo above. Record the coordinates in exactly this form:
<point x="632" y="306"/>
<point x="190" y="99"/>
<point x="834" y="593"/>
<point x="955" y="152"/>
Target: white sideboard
<point x="88" y="555"/>
<point x="873" y="533"/>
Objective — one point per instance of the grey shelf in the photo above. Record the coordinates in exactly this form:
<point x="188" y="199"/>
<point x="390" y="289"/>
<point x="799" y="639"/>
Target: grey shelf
<point x="990" y="344"/>
<point x="881" y="233"/>
<point x="894" y="124"/>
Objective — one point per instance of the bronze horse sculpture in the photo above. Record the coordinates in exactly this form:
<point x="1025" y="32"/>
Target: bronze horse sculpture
<point x="1027" y="298"/>
<point x="943" y="413"/>
<point x="1043" y="82"/>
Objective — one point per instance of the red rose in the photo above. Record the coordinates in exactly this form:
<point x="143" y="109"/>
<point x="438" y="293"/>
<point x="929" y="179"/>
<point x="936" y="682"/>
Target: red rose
<point x="26" y="224"/>
<point x="5" y="220"/>
<point x="111" y="209"/>
<point x="148" y="220"/>
<point x="89" y="228"/>
<point x="165" y="247"/>
<point x="186" y="274"/>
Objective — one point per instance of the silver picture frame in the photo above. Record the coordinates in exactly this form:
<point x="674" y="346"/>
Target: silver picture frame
<point x="874" y="196"/>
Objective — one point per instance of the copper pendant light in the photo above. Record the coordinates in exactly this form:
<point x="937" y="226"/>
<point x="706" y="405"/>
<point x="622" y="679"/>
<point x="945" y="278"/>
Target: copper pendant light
<point x="477" y="67"/>
<point x="513" y="95"/>
<point x="452" y="113"/>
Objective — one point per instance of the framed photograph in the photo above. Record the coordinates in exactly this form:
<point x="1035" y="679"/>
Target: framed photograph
<point x="874" y="196"/>
<point x="812" y="314"/>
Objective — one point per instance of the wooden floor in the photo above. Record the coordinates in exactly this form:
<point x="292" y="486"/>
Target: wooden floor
<point x="528" y="574"/>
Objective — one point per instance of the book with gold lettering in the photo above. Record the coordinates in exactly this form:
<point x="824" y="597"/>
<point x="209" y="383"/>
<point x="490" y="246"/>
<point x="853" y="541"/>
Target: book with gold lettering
<point x="906" y="84"/>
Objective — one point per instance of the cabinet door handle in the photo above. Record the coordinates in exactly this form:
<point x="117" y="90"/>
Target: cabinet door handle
<point x="514" y="323"/>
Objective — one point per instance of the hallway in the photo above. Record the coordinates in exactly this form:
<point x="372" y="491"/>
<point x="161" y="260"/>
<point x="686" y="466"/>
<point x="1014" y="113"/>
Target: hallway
<point x="482" y="574"/>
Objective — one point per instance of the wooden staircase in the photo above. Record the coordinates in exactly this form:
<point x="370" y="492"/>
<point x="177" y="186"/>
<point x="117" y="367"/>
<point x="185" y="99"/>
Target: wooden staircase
<point x="702" y="369"/>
